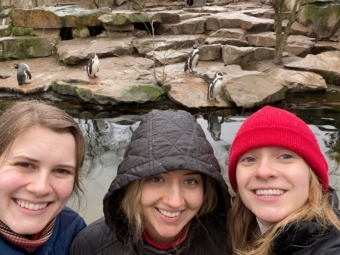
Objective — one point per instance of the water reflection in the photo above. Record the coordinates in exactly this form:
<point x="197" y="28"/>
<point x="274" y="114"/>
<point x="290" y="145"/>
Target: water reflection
<point x="214" y="125"/>
<point x="106" y="140"/>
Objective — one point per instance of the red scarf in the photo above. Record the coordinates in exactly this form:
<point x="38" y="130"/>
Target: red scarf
<point x="165" y="247"/>
<point x="28" y="242"/>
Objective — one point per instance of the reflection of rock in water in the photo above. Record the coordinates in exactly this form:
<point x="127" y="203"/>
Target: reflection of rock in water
<point x="106" y="140"/>
<point x="214" y="126"/>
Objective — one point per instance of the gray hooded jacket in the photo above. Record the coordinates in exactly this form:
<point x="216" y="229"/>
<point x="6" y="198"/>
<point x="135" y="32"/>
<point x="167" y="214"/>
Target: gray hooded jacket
<point x="164" y="141"/>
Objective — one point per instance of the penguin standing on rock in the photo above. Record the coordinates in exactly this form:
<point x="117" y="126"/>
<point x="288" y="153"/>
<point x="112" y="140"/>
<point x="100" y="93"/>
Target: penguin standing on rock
<point x="192" y="60"/>
<point x="23" y="73"/>
<point x="92" y="66"/>
<point x="215" y="87"/>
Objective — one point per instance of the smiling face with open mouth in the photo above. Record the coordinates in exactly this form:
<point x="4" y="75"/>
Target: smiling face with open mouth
<point x="36" y="178"/>
<point x="169" y="201"/>
<point x="273" y="182"/>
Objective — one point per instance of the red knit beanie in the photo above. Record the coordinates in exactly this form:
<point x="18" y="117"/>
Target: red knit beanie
<point x="274" y="127"/>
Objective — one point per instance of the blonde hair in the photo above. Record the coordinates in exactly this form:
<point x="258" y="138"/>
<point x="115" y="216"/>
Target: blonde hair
<point x="131" y="207"/>
<point x="246" y="237"/>
<point x="26" y="114"/>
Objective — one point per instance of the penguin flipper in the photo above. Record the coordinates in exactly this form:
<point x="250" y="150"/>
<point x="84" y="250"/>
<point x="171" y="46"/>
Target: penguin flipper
<point x="28" y="73"/>
<point x="186" y="66"/>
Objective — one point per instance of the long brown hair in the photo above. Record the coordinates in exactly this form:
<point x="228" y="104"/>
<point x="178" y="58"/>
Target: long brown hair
<point x="245" y="234"/>
<point x="26" y="114"/>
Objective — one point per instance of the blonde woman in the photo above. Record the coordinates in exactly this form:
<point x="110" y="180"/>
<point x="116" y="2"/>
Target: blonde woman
<point x="284" y="204"/>
<point x="169" y="196"/>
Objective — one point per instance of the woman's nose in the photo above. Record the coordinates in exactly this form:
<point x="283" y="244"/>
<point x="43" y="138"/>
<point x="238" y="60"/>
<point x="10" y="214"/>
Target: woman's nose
<point x="173" y="197"/>
<point x="265" y="170"/>
<point x="40" y="184"/>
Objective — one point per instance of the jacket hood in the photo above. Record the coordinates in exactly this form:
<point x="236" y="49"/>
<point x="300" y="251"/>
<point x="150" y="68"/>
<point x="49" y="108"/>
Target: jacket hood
<point x="164" y="141"/>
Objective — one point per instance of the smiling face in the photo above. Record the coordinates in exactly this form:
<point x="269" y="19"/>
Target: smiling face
<point x="272" y="182"/>
<point x="169" y="201"/>
<point x="36" y="178"/>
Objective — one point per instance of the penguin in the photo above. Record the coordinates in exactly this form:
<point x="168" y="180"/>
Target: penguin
<point x="215" y="126"/>
<point x="23" y="73"/>
<point x="192" y="60"/>
<point x="92" y="66"/>
<point x="215" y="87"/>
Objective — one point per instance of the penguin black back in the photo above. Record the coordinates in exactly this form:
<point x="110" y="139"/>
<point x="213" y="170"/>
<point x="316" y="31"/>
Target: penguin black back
<point x="92" y="66"/>
<point x="192" y="59"/>
<point x="23" y="73"/>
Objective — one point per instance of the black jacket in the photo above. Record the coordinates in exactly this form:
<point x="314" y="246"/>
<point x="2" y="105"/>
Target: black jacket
<point x="164" y="141"/>
<point x="307" y="238"/>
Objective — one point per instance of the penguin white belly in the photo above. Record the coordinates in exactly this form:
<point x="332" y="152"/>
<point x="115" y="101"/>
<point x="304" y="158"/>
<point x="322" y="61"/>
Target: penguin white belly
<point x="217" y="88"/>
<point x="95" y="67"/>
<point x="194" y="61"/>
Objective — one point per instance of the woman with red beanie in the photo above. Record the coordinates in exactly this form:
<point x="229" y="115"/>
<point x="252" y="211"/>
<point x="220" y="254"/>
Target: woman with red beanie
<point x="283" y="203"/>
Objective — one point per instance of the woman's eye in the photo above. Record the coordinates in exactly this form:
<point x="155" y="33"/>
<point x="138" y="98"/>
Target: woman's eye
<point x="25" y="165"/>
<point x="191" y="182"/>
<point x="61" y="171"/>
<point x="156" y="179"/>
<point x="248" y="159"/>
<point x="286" y="156"/>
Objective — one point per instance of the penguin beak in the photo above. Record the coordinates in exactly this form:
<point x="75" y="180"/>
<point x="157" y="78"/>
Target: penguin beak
<point x="224" y="73"/>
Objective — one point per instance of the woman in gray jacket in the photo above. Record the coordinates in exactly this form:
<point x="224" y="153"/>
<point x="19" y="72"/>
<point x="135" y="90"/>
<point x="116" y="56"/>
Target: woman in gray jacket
<point x="168" y="197"/>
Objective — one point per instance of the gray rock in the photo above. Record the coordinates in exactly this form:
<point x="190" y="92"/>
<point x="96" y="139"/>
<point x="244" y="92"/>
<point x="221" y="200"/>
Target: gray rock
<point x="161" y="43"/>
<point x="296" y="44"/>
<point x="243" y="55"/>
<point x="255" y="89"/>
<point x="326" y="64"/>
<point x="191" y="26"/>
<point x="238" y="20"/>
<point x="34" y="47"/>
<point x="77" y="51"/>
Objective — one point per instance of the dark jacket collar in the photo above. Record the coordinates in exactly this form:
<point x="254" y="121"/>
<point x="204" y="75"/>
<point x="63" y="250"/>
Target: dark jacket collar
<point x="303" y="235"/>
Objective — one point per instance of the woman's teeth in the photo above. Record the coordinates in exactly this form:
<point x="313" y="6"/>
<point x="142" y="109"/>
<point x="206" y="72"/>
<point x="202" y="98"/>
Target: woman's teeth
<point x="31" y="206"/>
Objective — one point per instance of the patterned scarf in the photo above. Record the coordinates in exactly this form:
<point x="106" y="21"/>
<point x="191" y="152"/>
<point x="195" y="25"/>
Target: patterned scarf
<point x="28" y="242"/>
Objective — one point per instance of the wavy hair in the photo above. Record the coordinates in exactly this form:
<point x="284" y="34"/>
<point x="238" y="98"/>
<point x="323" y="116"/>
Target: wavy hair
<point x="246" y="237"/>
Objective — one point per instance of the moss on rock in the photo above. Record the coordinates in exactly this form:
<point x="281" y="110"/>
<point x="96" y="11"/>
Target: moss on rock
<point x="8" y="30"/>
<point x="151" y="92"/>
<point x="120" y="19"/>
<point x="324" y="20"/>
<point x="21" y="31"/>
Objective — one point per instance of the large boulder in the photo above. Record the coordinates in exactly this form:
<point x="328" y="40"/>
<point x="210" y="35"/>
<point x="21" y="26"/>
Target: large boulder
<point x="324" y="20"/>
<point x="262" y="88"/>
<point x="55" y="17"/>
<point x="238" y="20"/>
<point x="325" y="64"/>
<point x="296" y="44"/>
<point x="161" y="43"/>
<point x="79" y="50"/>
<point x="113" y="92"/>
<point x="24" y="47"/>
<point x="118" y="18"/>
<point x="243" y="55"/>
<point x="191" y="26"/>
